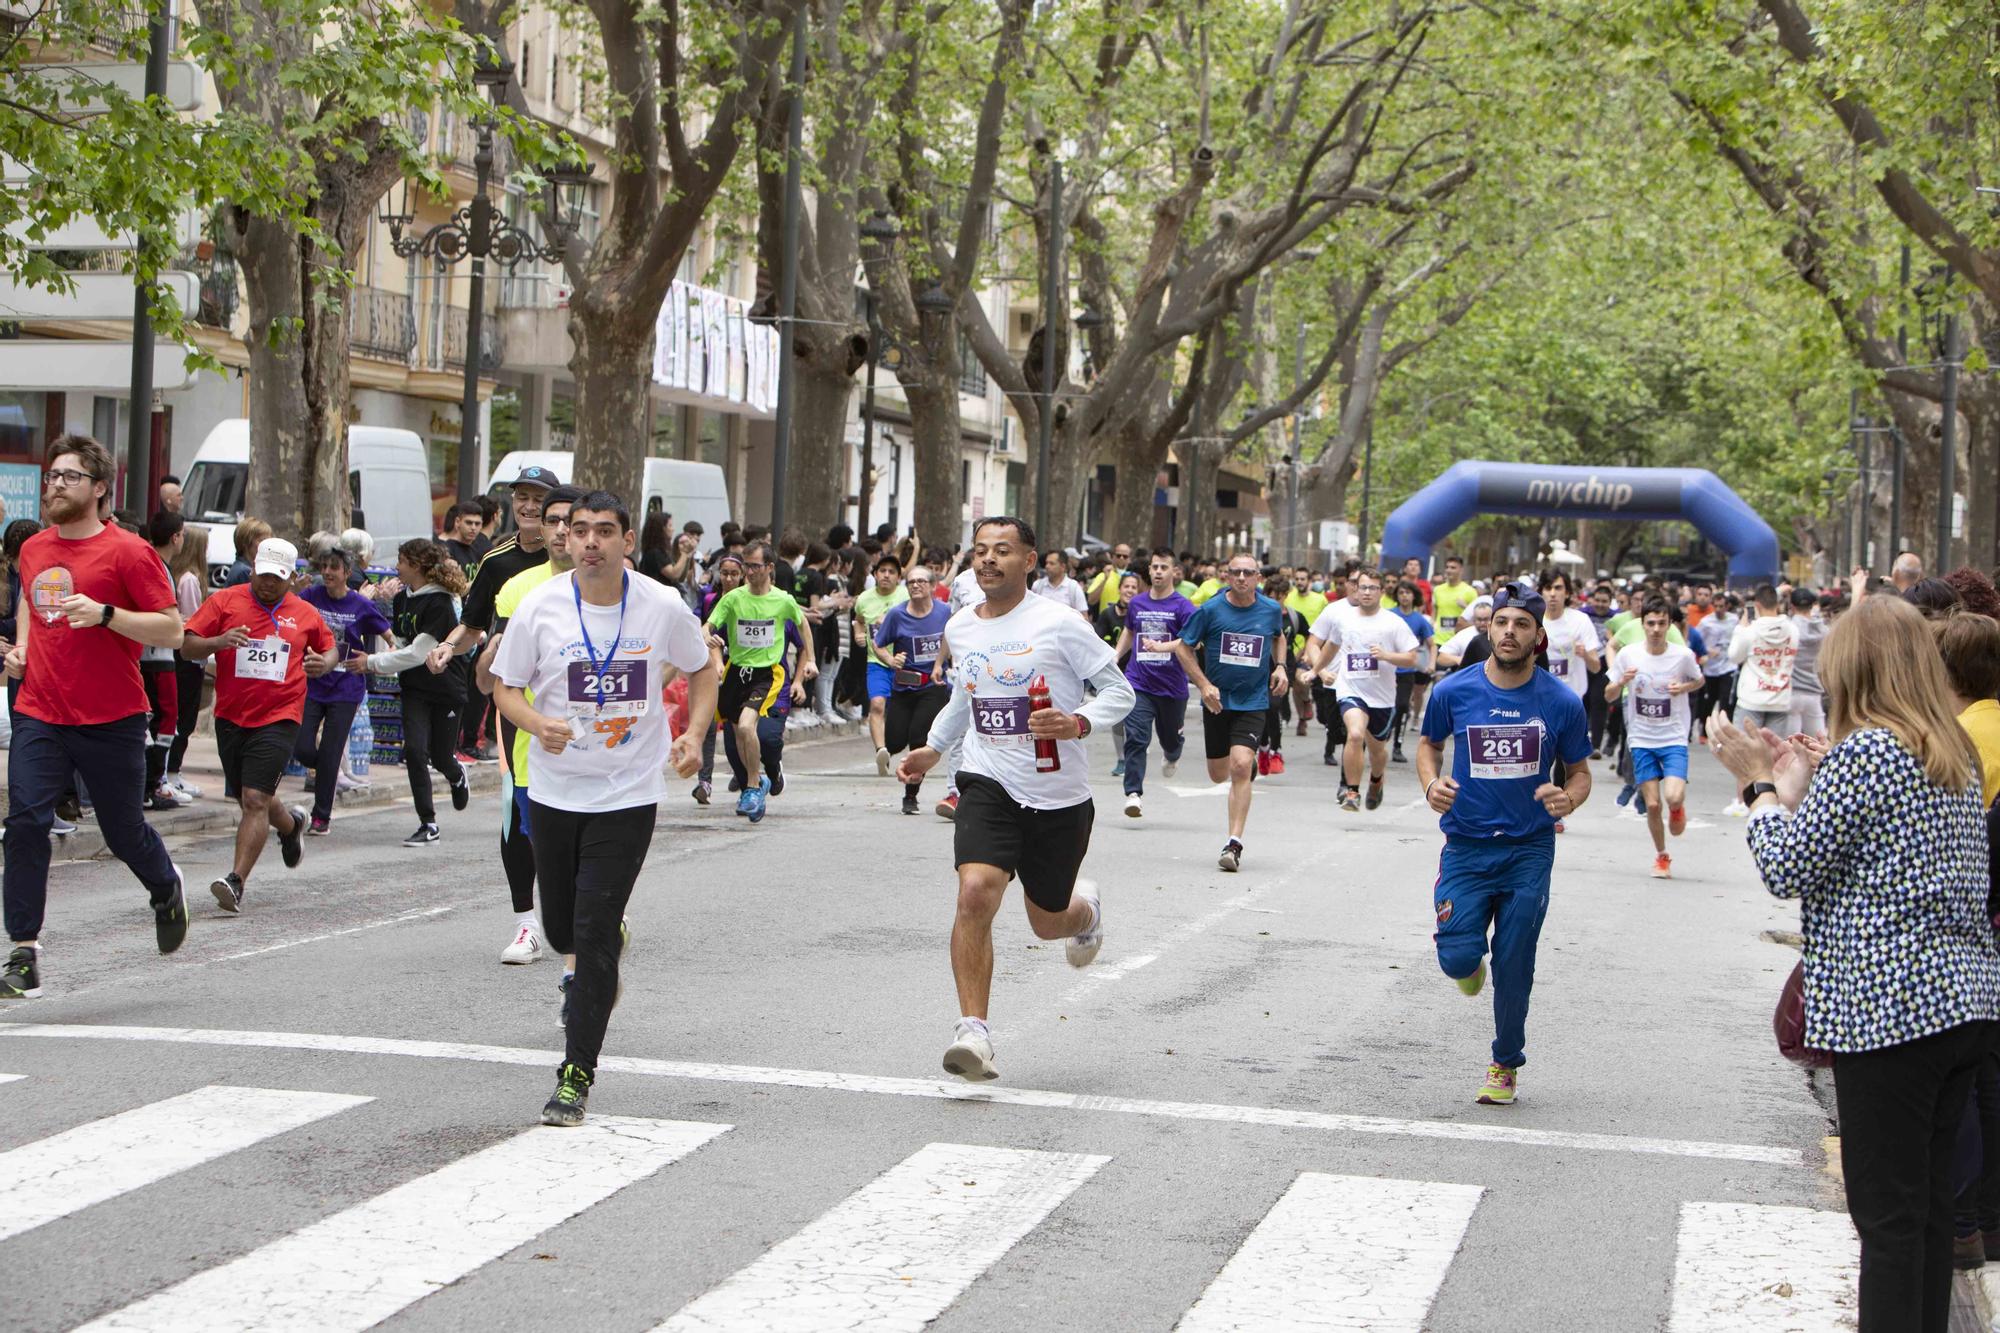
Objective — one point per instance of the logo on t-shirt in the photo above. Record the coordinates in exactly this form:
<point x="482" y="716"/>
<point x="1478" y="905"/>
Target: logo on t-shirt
<point x="51" y="588"/>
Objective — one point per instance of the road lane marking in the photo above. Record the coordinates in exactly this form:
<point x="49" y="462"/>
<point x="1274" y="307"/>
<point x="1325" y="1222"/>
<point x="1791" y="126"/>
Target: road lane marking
<point x="1101" y="976"/>
<point x="895" y="1254"/>
<point x="360" y="1266"/>
<point x="1747" y="1268"/>
<point x="1341" y="1252"/>
<point x="11" y="1078"/>
<point x="70" y="1171"/>
<point x="882" y="1085"/>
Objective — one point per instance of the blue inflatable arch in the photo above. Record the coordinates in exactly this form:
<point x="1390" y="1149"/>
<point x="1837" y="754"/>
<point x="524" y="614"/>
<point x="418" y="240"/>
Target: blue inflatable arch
<point x="1533" y="490"/>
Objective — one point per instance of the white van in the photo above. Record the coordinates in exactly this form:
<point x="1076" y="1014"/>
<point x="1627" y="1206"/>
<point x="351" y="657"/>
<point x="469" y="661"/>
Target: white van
<point x="388" y="482"/>
<point x="673" y="486"/>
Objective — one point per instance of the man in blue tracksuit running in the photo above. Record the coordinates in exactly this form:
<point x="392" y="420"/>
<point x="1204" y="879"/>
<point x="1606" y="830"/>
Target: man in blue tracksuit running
<point x="1513" y="729"/>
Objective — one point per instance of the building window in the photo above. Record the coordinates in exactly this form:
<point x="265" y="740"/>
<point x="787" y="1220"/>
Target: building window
<point x="971" y="374"/>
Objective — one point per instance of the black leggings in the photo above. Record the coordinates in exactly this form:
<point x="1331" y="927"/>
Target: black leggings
<point x="1406" y="685"/>
<point x="906" y="723"/>
<point x="189" y="677"/>
<point x="588" y="864"/>
<point x="517" y="852"/>
<point x="429" y="722"/>
<point x="321" y="743"/>
<point x="1716" y="693"/>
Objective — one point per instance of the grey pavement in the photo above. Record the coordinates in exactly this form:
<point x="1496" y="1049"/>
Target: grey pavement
<point x="790" y="981"/>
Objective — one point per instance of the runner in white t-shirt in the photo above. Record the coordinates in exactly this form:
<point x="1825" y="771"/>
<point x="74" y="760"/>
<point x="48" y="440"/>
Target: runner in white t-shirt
<point x="1367" y="645"/>
<point x="1015" y="818"/>
<point x="1656" y="677"/>
<point x="1574" y="646"/>
<point x="593" y="646"/>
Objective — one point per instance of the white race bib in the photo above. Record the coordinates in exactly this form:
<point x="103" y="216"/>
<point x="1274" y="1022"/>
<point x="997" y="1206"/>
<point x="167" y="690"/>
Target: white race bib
<point x="263" y="659"/>
<point x="756" y="633"/>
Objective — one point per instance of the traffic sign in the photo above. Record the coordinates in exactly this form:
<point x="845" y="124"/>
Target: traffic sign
<point x="97" y="296"/>
<point x="86" y="364"/>
<point x="83" y="86"/>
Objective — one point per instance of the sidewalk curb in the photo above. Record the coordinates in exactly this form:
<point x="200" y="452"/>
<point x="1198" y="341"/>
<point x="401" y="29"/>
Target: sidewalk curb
<point x="210" y="815"/>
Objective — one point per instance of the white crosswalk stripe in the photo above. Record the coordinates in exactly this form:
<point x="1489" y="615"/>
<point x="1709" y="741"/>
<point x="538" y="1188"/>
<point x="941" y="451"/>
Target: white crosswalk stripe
<point x="1753" y="1268"/>
<point x="358" y="1267"/>
<point x="66" y="1172"/>
<point x="11" y="1078"/>
<point x="894" y="1255"/>
<point x="1340" y="1252"/>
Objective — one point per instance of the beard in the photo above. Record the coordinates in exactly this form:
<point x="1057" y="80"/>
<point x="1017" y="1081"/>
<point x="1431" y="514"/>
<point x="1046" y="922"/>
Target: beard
<point x="67" y="507"/>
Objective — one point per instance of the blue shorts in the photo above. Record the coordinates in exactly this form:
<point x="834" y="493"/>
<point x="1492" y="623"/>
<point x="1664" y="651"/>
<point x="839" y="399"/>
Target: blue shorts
<point x="1380" y="720"/>
<point x="881" y="680"/>
<point x="1668" y="761"/>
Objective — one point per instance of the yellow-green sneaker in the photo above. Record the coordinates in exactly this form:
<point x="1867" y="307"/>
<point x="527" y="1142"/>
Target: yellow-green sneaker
<point x="1475" y="983"/>
<point x="1499" y="1088"/>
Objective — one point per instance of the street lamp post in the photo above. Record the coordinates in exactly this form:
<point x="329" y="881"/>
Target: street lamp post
<point x="478" y="233"/>
<point x="879" y="230"/>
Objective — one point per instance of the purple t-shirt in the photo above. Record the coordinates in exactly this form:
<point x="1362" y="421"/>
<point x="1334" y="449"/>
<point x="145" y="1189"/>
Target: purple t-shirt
<point x="353" y="619"/>
<point x="1147" y="618"/>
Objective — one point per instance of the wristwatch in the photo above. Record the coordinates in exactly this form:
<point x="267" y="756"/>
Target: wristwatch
<point x="1082" y="725"/>
<point x="105" y="618"/>
<point x="1756" y="789"/>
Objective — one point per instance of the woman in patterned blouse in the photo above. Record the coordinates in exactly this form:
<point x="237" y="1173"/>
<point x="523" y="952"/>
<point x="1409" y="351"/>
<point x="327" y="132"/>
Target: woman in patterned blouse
<point x="1882" y="838"/>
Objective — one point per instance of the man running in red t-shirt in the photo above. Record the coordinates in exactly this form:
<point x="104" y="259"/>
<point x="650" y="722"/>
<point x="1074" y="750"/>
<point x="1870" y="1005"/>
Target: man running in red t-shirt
<point x="92" y="596"/>
<point x="266" y="641"/>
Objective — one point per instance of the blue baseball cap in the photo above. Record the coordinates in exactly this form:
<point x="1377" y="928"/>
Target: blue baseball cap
<point x="1522" y="597"/>
<point x="538" y="476"/>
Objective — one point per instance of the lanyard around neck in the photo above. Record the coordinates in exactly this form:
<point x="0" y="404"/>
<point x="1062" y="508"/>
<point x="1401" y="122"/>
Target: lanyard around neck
<point x="590" y="649"/>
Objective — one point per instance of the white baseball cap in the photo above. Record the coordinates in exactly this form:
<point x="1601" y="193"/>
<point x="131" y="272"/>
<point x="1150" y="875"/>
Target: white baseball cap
<point x="275" y="555"/>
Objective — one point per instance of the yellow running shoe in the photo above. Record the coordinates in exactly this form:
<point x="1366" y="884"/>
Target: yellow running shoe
<point x="1499" y="1088"/>
<point x="1475" y="983"/>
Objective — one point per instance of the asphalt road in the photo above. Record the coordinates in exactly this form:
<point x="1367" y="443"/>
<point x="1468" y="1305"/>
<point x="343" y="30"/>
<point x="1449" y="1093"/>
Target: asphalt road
<point x="1255" y="1111"/>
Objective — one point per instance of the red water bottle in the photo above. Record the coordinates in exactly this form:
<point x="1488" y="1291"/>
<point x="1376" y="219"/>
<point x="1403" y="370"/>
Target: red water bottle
<point x="1047" y="760"/>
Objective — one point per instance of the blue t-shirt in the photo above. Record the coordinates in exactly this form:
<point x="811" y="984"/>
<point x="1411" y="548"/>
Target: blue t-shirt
<point x="1504" y="745"/>
<point x="1147" y="618"/>
<point x="1420" y="627"/>
<point x="917" y="638"/>
<point x="1236" y="646"/>
<point x="354" y="620"/>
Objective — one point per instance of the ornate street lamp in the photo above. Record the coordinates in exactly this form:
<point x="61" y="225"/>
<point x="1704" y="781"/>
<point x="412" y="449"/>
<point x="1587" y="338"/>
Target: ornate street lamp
<point x="478" y="233"/>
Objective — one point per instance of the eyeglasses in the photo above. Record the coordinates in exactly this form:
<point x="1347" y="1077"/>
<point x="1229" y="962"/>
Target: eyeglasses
<point x="555" y="520"/>
<point x="66" y="476"/>
<point x="748" y="565"/>
<point x="1242" y="573"/>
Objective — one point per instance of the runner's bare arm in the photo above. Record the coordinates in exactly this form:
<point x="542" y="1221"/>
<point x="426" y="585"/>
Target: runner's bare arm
<point x="194" y="647"/>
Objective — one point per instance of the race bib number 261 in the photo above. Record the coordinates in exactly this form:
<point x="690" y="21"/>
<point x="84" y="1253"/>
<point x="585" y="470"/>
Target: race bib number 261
<point x="1509" y="751"/>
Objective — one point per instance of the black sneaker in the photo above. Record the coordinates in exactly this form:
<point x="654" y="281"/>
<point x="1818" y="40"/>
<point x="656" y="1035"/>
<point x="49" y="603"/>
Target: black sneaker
<point x="777" y="776"/>
<point x="170" y="919"/>
<point x="1232" y="855"/>
<point x="562" y="1015"/>
<point x="1374" y="792"/>
<point x="572" y="1095"/>
<point x="425" y="836"/>
<point x="910" y="805"/>
<point x="293" y="846"/>
<point x="461" y="794"/>
<point x="228" y="891"/>
<point x="23" y="978"/>
<point x="1396" y="754"/>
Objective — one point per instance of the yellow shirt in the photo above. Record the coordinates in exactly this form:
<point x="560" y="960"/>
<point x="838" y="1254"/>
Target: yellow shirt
<point x="1982" y="722"/>
<point x="504" y="606"/>
<point x="1208" y="589"/>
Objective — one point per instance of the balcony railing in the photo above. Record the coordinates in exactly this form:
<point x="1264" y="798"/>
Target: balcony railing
<point x="491" y="349"/>
<point x="381" y="324"/>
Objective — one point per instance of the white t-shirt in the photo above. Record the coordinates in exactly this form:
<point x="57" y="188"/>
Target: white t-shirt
<point x="1067" y="593"/>
<point x="1460" y="641"/>
<point x="993" y="662"/>
<point x="965" y="591"/>
<point x="1653" y="718"/>
<point x="616" y="761"/>
<point x="1569" y="634"/>
<point x="1358" y="638"/>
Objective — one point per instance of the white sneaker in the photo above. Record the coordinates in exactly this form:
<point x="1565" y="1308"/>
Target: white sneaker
<point x="526" y="948"/>
<point x="970" y="1056"/>
<point x="182" y="785"/>
<point x="1082" y="949"/>
<point x="1736" y="809"/>
<point x="1167" y="769"/>
<point x="881" y="761"/>
<point x="1132" y="805"/>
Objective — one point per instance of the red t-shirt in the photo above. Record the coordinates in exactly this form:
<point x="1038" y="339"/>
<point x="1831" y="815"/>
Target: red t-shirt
<point x="88" y="676"/>
<point x="260" y="683"/>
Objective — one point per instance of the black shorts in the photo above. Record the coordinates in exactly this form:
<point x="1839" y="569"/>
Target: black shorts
<point x="253" y="758"/>
<point x="1042" y="848"/>
<point x="755" y="688"/>
<point x="1381" y="721"/>
<point x="1232" y="727"/>
<point x="908" y="717"/>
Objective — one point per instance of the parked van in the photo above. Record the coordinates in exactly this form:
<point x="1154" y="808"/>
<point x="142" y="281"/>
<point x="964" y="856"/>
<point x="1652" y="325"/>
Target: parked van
<point x="673" y="486"/>
<point x="388" y="482"/>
